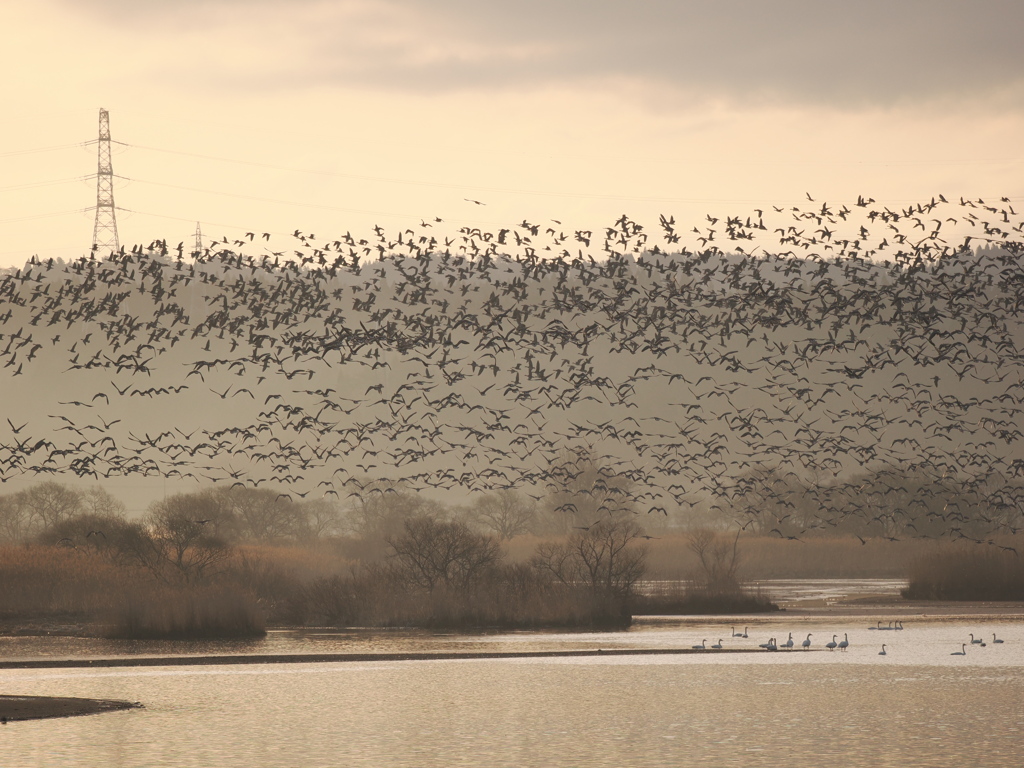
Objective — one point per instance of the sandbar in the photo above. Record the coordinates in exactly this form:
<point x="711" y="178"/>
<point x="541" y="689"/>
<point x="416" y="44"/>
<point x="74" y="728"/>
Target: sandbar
<point x="13" y="708"/>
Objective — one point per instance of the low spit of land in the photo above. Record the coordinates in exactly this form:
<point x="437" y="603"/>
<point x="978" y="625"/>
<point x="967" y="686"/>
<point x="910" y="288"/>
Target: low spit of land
<point x="37" y="707"/>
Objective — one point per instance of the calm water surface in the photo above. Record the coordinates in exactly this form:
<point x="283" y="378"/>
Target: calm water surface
<point x="916" y="706"/>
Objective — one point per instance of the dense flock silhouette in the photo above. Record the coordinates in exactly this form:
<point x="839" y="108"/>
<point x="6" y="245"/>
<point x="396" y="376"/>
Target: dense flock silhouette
<point x="789" y="352"/>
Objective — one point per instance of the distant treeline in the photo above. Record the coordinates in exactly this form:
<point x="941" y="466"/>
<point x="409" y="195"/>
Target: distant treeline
<point x="890" y="504"/>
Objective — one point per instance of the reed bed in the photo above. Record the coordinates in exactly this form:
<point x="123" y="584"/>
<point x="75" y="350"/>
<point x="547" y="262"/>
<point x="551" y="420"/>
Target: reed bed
<point x="40" y="582"/>
<point x="769" y="557"/>
<point x="510" y="596"/>
<point x="700" y="600"/>
<point x="185" y="614"/>
<point x="325" y="585"/>
<point x="969" y="572"/>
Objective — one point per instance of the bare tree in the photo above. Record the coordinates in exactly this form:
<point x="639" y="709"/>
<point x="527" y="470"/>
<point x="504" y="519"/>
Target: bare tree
<point x="179" y="539"/>
<point x="380" y="510"/>
<point x="506" y="512"/>
<point x="435" y="553"/>
<point x="260" y="514"/>
<point x="582" y="491"/>
<point x="719" y="559"/>
<point x="13" y="525"/>
<point x="321" y="518"/>
<point x="46" y="505"/>
<point x="97" y="501"/>
<point x="602" y="557"/>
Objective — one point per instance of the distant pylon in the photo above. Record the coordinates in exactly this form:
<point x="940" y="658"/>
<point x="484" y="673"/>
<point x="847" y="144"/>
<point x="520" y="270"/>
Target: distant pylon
<point x="104" y="233"/>
<point x="197" y="250"/>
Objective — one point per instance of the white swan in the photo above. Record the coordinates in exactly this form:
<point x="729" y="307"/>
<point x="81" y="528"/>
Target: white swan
<point x="979" y="641"/>
<point x="882" y="652"/>
<point x="700" y="647"/>
<point x="832" y="646"/>
<point x="788" y="643"/>
<point x="807" y="643"/>
<point x="899" y="624"/>
<point x="846" y="642"/>
<point x="878" y="625"/>
<point x="718" y="646"/>
<point x="995" y="639"/>
<point x="961" y="652"/>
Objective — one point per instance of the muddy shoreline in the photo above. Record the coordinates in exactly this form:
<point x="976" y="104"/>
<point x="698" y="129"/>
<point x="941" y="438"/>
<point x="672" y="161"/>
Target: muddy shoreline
<point x="15" y="708"/>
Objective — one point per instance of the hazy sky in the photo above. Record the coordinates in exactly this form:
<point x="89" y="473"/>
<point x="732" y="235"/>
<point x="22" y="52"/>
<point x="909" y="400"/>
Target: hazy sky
<point x="334" y="115"/>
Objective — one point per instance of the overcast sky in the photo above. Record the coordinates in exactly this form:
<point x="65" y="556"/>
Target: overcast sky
<point x="330" y="116"/>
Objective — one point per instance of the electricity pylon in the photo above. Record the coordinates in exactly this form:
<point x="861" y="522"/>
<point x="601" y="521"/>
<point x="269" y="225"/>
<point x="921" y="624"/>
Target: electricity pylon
<point x="104" y="233"/>
<point x="197" y="250"/>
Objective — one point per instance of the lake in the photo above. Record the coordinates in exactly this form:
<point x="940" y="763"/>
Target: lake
<point x="918" y="705"/>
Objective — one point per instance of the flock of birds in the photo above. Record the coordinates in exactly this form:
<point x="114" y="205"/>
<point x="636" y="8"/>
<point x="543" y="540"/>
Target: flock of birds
<point x="520" y="359"/>
<point x="773" y="644"/>
<point x="975" y="641"/>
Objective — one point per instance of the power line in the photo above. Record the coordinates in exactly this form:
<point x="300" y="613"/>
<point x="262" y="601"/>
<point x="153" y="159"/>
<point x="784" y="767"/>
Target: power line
<point x="44" y="215"/>
<point x="47" y="183"/>
<point x="476" y="188"/>
<point x="44" y="149"/>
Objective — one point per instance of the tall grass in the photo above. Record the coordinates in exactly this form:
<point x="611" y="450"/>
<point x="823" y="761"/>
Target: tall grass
<point x="46" y="582"/>
<point x="968" y="572"/>
<point x="510" y="596"/>
<point x="185" y="614"/>
<point x="676" y="599"/>
<point x="769" y="557"/>
<point x="42" y="584"/>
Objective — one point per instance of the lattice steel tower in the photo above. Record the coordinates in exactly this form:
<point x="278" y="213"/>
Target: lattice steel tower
<point x="197" y="250"/>
<point x="104" y="233"/>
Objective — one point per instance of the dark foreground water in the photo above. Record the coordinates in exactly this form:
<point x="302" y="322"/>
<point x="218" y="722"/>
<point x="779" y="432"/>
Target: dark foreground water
<point x="918" y="705"/>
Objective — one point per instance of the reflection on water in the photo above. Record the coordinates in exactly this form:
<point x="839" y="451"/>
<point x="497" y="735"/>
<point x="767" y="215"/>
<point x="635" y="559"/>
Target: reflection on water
<point x="796" y="591"/>
<point x="916" y="706"/>
<point x="617" y="712"/>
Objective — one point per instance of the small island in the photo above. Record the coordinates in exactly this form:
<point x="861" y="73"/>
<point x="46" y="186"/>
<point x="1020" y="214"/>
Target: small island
<point x="38" y="707"/>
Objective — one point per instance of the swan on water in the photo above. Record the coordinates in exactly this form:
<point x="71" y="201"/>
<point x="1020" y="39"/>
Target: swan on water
<point x="832" y="646"/>
<point x="882" y="652"/>
<point x="700" y="647"/>
<point x="788" y="643"/>
<point x="718" y="646"/>
<point x="961" y="652"/>
<point x="995" y="639"/>
<point x="807" y="643"/>
<point x="979" y="641"/>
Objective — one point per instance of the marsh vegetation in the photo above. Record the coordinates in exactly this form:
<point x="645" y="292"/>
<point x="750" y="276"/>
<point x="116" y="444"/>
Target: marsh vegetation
<point x="228" y="562"/>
